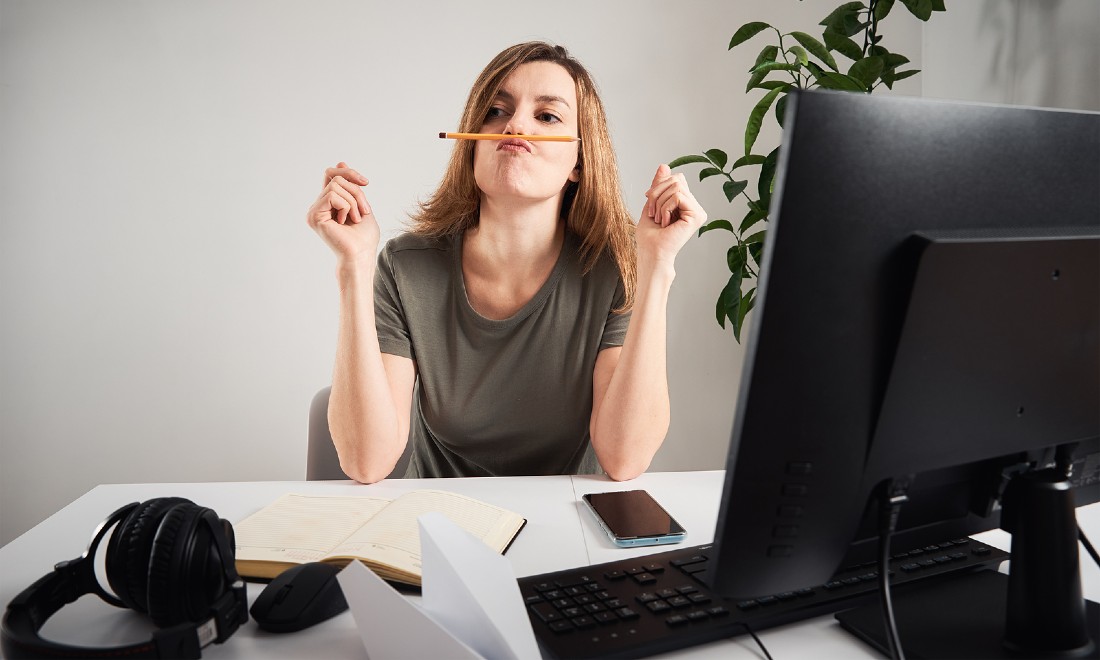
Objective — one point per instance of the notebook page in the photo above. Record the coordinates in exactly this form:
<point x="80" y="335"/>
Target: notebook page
<point x="393" y="536"/>
<point x="302" y="528"/>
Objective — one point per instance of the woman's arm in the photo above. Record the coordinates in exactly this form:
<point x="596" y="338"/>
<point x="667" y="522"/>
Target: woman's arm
<point x="630" y="407"/>
<point x="371" y="397"/>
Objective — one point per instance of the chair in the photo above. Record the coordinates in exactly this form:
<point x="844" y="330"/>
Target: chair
<point x="322" y="461"/>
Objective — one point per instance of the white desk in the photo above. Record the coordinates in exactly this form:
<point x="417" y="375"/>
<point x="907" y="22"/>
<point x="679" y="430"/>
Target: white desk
<point x="559" y="535"/>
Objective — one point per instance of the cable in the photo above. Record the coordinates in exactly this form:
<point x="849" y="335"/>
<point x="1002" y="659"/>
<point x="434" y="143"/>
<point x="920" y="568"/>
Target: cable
<point x="1088" y="546"/>
<point x="893" y="496"/>
<point x="758" y="642"/>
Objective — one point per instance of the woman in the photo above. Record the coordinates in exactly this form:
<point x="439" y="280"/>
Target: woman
<point x="519" y="327"/>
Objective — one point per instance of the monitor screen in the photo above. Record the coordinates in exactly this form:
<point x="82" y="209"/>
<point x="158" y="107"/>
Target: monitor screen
<point x="927" y="309"/>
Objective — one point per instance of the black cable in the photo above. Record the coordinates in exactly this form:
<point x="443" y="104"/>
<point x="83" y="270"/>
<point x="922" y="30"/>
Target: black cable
<point x="758" y="642"/>
<point x="1088" y="546"/>
<point x="893" y="496"/>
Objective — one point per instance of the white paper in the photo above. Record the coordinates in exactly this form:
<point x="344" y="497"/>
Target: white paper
<point x="392" y="626"/>
<point x="471" y="591"/>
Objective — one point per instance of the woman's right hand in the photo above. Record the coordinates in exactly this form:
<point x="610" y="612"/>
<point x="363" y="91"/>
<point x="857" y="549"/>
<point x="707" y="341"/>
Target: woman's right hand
<point x="342" y="216"/>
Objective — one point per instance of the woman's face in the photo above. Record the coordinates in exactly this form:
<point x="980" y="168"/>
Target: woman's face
<point x="538" y="98"/>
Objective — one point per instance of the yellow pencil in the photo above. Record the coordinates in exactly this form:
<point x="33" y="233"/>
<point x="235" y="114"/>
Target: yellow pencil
<point x="498" y="136"/>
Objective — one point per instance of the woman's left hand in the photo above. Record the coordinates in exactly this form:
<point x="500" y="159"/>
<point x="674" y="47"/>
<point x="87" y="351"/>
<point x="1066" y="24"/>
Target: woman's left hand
<point x="671" y="216"/>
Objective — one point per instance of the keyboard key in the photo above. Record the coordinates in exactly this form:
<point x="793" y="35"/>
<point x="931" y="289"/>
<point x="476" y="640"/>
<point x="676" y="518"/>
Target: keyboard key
<point x="593" y="587"/>
<point x="699" y="599"/>
<point x="573" y="591"/>
<point x="546" y="613"/>
<point x="802" y="593"/>
<point x="572" y="612"/>
<point x="686" y="589"/>
<point x="786" y="595"/>
<point x="563" y="603"/>
<point x="626" y="613"/>
<point x="544" y="586"/>
<point x="668" y="593"/>
<point x="717" y="611"/>
<point x="635" y="571"/>
<point x="835" y="584"/>
<point x="614" y="575"/>
<point x="658" y="606"/>
<point x="748" y="605"/>
<point x="691" y="569"/>
<point x="694" y="559"/>
<point x="679" y="601"/>
<point x="654" y="568"/>
<point x="604" y="595"/>
<point x="645" y="578"/>
<point x="553" y="594"/>
<point x="767" y="600"/>
<point x="531" y="600"/>
<point x="698" y="615"/>
<point x="604" y="617"/>
<point x="956" y="556"/>
<point x="584" y="600"/>
<point x="561" y="626"/>
<point x="646" y="596"/>
<point x="613" y="603"/>
<point x="592" y="608"/>
<point x="583" y="622"/>
<point x="910" y="567"/>
<point x="980" y="550"/>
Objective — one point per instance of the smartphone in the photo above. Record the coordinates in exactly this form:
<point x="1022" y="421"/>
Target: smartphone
<point x="632" y="518"/>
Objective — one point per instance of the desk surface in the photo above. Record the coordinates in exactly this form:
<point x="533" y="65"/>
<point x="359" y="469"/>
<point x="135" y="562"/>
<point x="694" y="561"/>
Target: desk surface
<point x="559" y="535"/>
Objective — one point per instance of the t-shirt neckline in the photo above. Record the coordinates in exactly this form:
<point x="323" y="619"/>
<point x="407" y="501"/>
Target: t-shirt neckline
<point x="536" y="302"/>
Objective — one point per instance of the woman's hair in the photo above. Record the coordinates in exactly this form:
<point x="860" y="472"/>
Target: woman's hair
<point x="593" y="208"/>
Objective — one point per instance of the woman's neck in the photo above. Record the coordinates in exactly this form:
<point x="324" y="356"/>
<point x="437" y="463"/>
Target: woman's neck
<point x="516" y="237"/>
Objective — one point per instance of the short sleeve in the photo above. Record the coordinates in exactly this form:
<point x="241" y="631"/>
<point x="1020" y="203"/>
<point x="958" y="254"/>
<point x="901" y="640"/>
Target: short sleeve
<point x="389" y="313"/>
<point x="614" y="329"/>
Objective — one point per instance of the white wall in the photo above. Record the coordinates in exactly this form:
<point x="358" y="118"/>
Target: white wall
<point x="166" y="313"/>
<point x="1023" y="52"/>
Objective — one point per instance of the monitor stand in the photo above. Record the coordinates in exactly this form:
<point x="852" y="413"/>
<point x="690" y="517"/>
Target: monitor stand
<point x="1036" y="611"/>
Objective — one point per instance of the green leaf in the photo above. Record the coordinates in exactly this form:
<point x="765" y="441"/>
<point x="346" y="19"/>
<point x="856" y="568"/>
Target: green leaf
<point x="776" y="84"/>
<point x="816" y="48"/>
<point x="716" y="224"/>
<point x="769" y="54"/>
<point x="893" y="60"/>
<point x="757" y="252"/>
<point x="734" y="188"/>
<point x="867" y="70"/>
<point x="730" y="298"/>
<point x="830" y="80"/>
<point x="708" y="172"/>
<point x="735" y="258"/>
<point x="758" y="237"/>
<point x="754" y="159"/>
<point x="890" y="76"/>
<point x="937" y="5"/>
<point x="843" y="45"/>
<point x="800" y="53"/>
<point x="755" y="80"/>
<point x="902" y="75"/>
<point x="780" y="110"/>
<point x="882" y="8"/>
<point x="756" y="117"/>
<point x="767" y="174"/>
<point x="845" y="19"/>
<point x="767" y="67"/>
<point x="716" y="156"/>
<point x="746" y="32"/>
<point x="684" y="160"/>
<point x="922" y="9"/>
<point x="754" y="216"/>
<point x="748" y="301"/>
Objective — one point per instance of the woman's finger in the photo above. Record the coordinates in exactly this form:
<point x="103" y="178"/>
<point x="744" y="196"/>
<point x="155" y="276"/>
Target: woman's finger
<point x="351" y="212"/>
<point x="362" y="207"/>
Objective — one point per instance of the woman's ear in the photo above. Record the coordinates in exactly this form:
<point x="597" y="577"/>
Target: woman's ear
<point x="575" y="174"/>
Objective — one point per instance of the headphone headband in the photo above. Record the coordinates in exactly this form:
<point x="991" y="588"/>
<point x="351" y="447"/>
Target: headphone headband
<point x="29" y="611"/>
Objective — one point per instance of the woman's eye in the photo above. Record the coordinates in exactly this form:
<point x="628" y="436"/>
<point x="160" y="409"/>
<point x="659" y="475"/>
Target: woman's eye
<point x="494" y="113"/>
<point x="548" y="118"/>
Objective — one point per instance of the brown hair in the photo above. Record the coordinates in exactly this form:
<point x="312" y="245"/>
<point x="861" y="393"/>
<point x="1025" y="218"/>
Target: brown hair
<point x="593" y="208"/>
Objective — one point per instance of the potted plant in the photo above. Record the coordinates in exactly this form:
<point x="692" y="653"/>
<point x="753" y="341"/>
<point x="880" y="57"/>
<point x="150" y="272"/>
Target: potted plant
<point x="792" y="60"/>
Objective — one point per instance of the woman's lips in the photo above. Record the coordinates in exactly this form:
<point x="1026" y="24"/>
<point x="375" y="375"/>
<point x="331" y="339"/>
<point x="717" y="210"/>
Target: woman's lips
<point x="514" y="144"/>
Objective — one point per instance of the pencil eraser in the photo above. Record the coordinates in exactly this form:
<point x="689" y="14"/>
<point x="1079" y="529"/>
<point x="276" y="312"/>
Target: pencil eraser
<point x="443" y="135"/>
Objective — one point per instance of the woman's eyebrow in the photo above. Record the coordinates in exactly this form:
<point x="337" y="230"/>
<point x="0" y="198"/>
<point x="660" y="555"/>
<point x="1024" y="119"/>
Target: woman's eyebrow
<point x="541" y="98"/>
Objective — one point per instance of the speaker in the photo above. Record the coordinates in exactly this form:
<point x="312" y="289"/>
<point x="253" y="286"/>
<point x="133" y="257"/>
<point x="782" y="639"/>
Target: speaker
<point x="168" y="558"/>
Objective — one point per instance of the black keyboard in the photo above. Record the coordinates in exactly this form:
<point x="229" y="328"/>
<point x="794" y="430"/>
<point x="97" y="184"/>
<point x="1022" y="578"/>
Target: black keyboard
<point x="655" y="603"/>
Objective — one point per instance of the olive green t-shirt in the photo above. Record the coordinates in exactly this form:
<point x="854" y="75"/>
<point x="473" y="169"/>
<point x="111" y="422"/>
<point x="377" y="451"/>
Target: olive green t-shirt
<point x="496" y="397"/>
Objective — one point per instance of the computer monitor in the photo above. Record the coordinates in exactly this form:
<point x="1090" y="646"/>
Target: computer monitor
<point x="928" y="312"/>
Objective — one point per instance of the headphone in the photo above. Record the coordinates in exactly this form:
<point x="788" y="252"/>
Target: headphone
<point x="167" y="557"/>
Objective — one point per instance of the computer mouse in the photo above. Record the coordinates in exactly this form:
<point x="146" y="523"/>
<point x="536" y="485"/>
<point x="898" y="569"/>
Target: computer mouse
<point x="298" y="598"/>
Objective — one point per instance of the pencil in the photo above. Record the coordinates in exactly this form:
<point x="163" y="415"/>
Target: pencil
<point x="498" y="136"/>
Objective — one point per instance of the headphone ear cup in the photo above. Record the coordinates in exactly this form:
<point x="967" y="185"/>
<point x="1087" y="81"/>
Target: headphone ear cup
<point x="127" y="560"/>
<point x="186" y="573"/>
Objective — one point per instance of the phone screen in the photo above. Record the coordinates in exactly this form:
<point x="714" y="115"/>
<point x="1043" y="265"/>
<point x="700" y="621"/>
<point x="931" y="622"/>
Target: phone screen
<point x="633" y="514"/>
